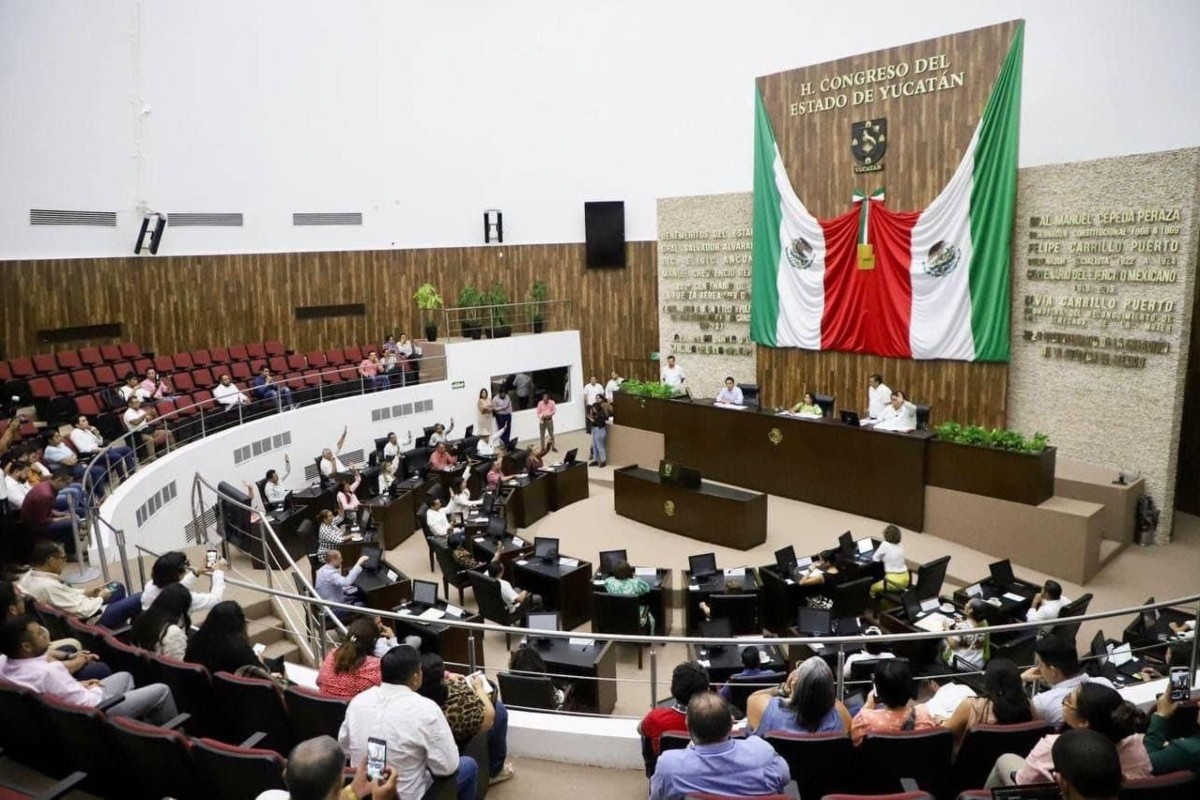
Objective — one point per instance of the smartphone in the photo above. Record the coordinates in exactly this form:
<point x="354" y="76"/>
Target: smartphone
<point x="376" y="758"/>
<point x="1181" y="686"/>
<point x="210" y="559"/>
<point x="259" y="649"/>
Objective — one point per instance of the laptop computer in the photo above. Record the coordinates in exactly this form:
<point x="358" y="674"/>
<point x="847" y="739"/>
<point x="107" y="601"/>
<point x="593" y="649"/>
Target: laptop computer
<point x="569" y="458"/>
<point x="609" y="560"/>
<point x="813" y="621"/>
<point x="850" y="417"/>
<point x="785" y="559"/>
<point x="846" y="544"/>
<point x="545" y="548"/>
<point x="1002" y="574"/>
<point x="424" y="594"/>
<point x="702" y="566"/>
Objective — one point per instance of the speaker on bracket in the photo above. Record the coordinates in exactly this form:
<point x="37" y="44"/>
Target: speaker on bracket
<point x="160" y="223"/>
<point x="493" y="226"/>
<point x="605" y="225"/>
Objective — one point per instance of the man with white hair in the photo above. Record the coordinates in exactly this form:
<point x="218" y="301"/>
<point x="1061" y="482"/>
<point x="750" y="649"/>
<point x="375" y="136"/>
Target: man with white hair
<point x="330" y="463"/>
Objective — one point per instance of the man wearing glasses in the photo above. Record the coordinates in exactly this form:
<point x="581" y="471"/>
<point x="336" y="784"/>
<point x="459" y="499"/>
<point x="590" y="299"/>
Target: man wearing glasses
<point x="104" y="605"/>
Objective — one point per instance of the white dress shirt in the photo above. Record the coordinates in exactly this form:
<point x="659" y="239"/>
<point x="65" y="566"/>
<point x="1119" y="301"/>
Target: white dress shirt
<point x="85" y="441"/>
<point x="1047" y="705"/>
<point x="508" y="594"/>
<point x="386" y="479"/>
<point x="902" y="419"/>
<point x="438" y="522"/>
<point x="892" y="556"/>
<point x="591" y="391"/>
<point x="276" y="492"/>
<point x="48" y="588"/>
<point x="130" y="415"/>
<point x="436" y="438"/>
<point x="733" y="396"/>
<point x="674" y="376"/>
<point x="419" y="741"/>
<point x="863" y="655"/>
<point x="391" y="450"/>
<point x="229" y="396"/>
<point x="56" y="453"/>
<point x="877" y="398"/>
<point x="460" y="503"/>
<point x="16" y="491"/>
<point x="610" y="388"/>
<point x="328" y="467"/>
<point x="1048" y="610"/>
<point x="331" y="584"/>
<point x="200" y="600"/>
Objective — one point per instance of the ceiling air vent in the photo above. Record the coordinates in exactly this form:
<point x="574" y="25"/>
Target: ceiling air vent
<point x="204" y="220"/>
<point x="45" y="216"/>
<point x="328" y="218"/>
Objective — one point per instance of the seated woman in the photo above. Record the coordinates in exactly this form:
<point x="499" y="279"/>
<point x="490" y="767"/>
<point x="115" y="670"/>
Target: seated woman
<point x="353" y="666"/>
<point x="625" y="581"/>
<point x="824" y="574"/>
<point x="222" y="643"/>
<point x="1169" y="755"/>
<point x="808" y="407"/>
<point x="1090" y="705"/>
<point x="495" y="475"/>
<point x="890" y="707"/>
<point x="1003" y="701"/>
<point x="387" y="475"/>
<point x="527" y="660"/>
<point x="329" y="533"/>
<point x="163" y="627"/>
<point x="895" y="567"/>
<point x="460" y="498"/>
<point x="807" y="705"/>
<point x="173" y="567"/>
<point x="469" y="705"/>
<point x="971" y="644"/>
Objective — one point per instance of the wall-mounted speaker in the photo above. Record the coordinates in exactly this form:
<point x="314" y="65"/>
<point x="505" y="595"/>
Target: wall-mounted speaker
<point x="605" y="224"/>
<point x="159" y="221"/>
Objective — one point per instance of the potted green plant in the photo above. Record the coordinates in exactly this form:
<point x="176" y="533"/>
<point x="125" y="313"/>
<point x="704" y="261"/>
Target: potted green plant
<point x="497" y="298"/>
<point x="470" y="299"/>
<point x="536" y="311"/>
<point x="996" y="463"/>
<point x="429" y="301"/>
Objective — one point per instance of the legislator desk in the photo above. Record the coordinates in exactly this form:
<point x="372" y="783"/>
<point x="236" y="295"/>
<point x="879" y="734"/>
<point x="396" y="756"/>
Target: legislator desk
<point x="315" y="498"/>
<point x="568" y="484"/>
<point x="385" y="589"/>
<point x="1015" y="599"/>
<point x="715" y="514"/>
<point x="451" y="643"/>
<point x="511" y="548"/>
<point x="657" y="600"/>
<point x="591" y="670"/>
<point x="565" y="589"/>
<point x="721" y="583"/>
<point x="394" y="516"/>
<point x="723" y="661"/>
<point x="526" y="500"/>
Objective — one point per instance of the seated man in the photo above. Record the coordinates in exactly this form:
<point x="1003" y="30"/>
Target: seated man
<point x="442" y="459"/>
<point x="731" y="393"/>
<point x="265" y="388"/>
<point x="716" y="764"/>
<point x="440" y="433"/>
<point x="44" y="519"/>
<point x="25" y="643"/>
<point x="83" y="665"/>
<point x="58" y="454"/>
<point x="335" y="587"/>
<point x="898" y="415"/>
<point x="688" y="679"/>
<point x="1087" y="766"/>
<point x="88" y="441"/>
<point x="330" y="463"/>
<point x="138" y="421"/>
<point x="439" y="522"/>
<point x="101" y="605"/>
<point x="228" y="395"/>
<point x="1046" y="604"/>
<point x="420" y="744"/>
<point x="154" y="387"/>
<point x="1056" y="664"/>
<point x="316" y="769"/>
<point x="274" y="489"/>
<point x="16" y="481"/>
<point x="514" y="600"/>
<point x="391" y="448"/>
<point x="370" y="371"/>
<point x="131" y="388"/>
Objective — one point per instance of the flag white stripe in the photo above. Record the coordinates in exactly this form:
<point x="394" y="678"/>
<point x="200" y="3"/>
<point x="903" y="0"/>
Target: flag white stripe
<point x="801" y="291"/>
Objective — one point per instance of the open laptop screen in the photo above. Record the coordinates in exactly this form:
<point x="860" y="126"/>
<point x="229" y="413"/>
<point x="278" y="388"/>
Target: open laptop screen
<point x="424" y="593"/>
<point x="609" y="560"/>
<point x="703" y="565"/>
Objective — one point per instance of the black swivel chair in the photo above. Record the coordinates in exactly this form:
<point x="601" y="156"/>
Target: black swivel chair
<point x="452" y="574"/>
<point x="930" y="577"/>
<point x="851" y="599"/>
<point x="826" y="402"/>
<point x="1067" y="628"/>
<point x="749" y="393"/>
<point x="923" y="418"/>
<point x="740" y="609"/>
<point x="491" y="604"/>
<point x="527" y="692"/>
<point x="619" y="614"/>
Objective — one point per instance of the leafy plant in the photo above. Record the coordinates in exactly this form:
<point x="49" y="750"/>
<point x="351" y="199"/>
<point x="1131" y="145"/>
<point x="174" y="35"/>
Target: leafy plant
<point x="996" y="437"/>
<point x="537" y="295"/>
<point x="647" y="389"/>
<point x="498" y="298"/>
<point x="427" y="298"/>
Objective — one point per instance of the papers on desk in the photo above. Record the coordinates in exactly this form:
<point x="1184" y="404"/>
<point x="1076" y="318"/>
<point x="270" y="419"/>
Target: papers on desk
<point x="479" y="538"/>
<point x="1016" y="598"/>
<point x="518" y="541"/>
<point x="934" y="623"/>
<point x="645" y="572"/>
<point x="734" y="406"/>
<point x="704" y="662"/>
<point x="432" y="613"/>
<point x="598" y="582"/>
<point x="789" y="581"/>
<point x="568" y="562"/>
<point x="392" y="575"/>
<point x="522" y="561"/>
<point x="581" y="641"/>
<point x="547" y="469"/>
<point x="735" y="572"/>
<point x="974" y="590"/>
<point x="1121" y="655"/>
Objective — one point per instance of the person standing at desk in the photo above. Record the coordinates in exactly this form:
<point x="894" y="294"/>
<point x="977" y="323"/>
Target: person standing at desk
<point x="591" y="390"/>
<point x="613" y="386"/>
<point x="502" y="411"/>
<point x="347" y="500"/>
<point x="624" y="581"/>
<point x="878" y="396"/>
<point x="276" y="493"/>
<point x="898" y="415"/>
<point x="673" y="375"/>
<point x="895" y="567"/>
<point x="545" y="415"/>
<point x="731" y="394"/>
<point x="330" y="463"/>
<point x="483" y="407"/>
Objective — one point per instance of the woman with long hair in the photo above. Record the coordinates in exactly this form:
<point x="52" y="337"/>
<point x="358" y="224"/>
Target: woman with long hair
<point x="173" y="567"/>
<point x="469" y="705"/>
<point x="222" y="643"/>
<point x="970" y="643"/>
<point x="807" y="703"/>
<point x="1003" y="701"/>
<point x="352" y="667"/>
<point x="163" y="627"/>
<point x="483" y="425"/>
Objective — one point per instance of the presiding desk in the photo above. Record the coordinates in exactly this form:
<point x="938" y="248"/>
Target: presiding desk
<point x="564" y="588"/>
<point x="715" y="514"/>
<point x="591" y="669"/>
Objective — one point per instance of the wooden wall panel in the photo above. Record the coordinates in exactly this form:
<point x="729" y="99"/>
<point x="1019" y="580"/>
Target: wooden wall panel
<point x="174" y="303"/>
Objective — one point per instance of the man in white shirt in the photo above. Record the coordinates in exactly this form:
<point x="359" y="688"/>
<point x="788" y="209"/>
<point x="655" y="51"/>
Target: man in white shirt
<point x="330" y="463"/>
<point x="101" y="605"/>
<point x="591" y="390"/>
<point x="871" y="652"/>
<point x="229" y="395"/>
<point x="316" y="769"/>
<point x="420" y="744"/>
<point x="1047" y="604"/>
<point x="15" y="482"/>
<point x="1056" y="664"/>
<point x="391" y="448"/>
<point x="88" y="441"/>
<point x="437" y="520"/>
<point x="274" y="489"/>
<point x="731" y="393"/>
<point x="58" y="454"/>
<point x="512" y="597"/>
<point x="440" y="433"/>
<point x="613" y="385"/>
<point x="673" y="375"/>
<point x="137" y="422"/>
<point x="131" y="388"/>
<point x="898" y="415"/>
<point x="878" y="396"/>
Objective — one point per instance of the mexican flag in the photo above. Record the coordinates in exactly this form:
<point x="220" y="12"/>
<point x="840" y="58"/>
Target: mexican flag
<point x="918" y="284"/>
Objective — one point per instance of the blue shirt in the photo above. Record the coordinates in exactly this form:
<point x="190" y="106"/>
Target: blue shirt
<point x="331" y="585"/>
<point x="733" y="767"/>
<point x="726" y="692"/>
<point x="777" y="718"/>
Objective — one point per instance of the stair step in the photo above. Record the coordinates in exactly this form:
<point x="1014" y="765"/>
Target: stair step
<point x="265" y="630"/>
<point x="286" y="648"/>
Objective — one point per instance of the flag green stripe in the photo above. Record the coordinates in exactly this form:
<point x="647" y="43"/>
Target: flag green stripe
<point x="764" y="274"/>
<point x="993" y="203"/>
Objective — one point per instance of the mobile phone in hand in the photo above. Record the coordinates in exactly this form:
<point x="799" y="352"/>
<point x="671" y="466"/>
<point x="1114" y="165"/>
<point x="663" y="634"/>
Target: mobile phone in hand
<point x="210" y="559"/>
<point x="376" y="758"/>
<point x="1181" y="686"/>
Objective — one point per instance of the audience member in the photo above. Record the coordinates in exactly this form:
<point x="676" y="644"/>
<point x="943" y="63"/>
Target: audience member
<point x="545" y="415"/>
<point x="420" y="745"/>
<point x="625" y="581"/>
<point x="316" y="771"/>
<point x="1046" y="604"/>
<point x="89" y="441"/>
<point x="440" y="433"/>
<point x="715" y="763"/>
<point x="274" y="488"/>
<point x="105" y="605"/>
<point x="330" y="463"/>
<point x="163" y="627"/>
<point x="731" y="393"/>
<point x="155" y="388"/>
<point x="59" y="455"/>
<point x="228" y="395"/>
<point x="1056" y="664"/>
<point x="688" y="679"/>
<point x="16" y="482"/>
<point x="1167" y="754"/>
<point x="878" y="396"/>
<point x="890" y="705"/>
<point x="470" y="706"/>
<point x="613" y="385"/>
<point x="502" y="412"/>
<point x="442" y="459"/>
<point x="406" y="347"/>
<point x="222" y="643"/>
<point x="1003" y="701"/>
<point x="81" y="663"/>
<point x="807" y="704"/>
<point x="673" y="375"/>
<point x="173" y="567"/>
<point x="895" y="567"/>
<point x="352" y="668"/>
<point x="44" y="519"/>
<point x="25" y="642"/>
<point x="335" y="587"/>
<point x="969" y="644"/>
<point x="369" y="370"/>
<point x="265" y="387"/>
<point x="138" y="421"/>
<point x="526" y="660"/>
<point x="1086" y="766"/>
<point x="129" y="389"/>
<point x="483" y="409"/>
<point x="1091" y="706"/>
<point x="598" y="415"/>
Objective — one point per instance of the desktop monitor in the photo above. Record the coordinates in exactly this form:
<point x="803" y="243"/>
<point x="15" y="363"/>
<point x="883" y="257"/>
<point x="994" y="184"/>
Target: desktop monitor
<point x="813" y="621"/>
<point x="545" y="548"/>
<point x="542" y="621"/>
<point x="1002" y="573"/>
<point x="496" y="528"/>
<point x="424" y="593"/>
<point x="469" y="432"/>
<point x="720" y="628"/>
<point x="609" y="560"/>
<point x="570" y="456"/>
<point x="846" y="544"/>
<point x="785" y="559"/>
<point x="702" y="566"/>
<point x="912" y="605"/>
<point x="374" y="554"/>
<point x="846" y="626"/>
<point x="487" y="503"/>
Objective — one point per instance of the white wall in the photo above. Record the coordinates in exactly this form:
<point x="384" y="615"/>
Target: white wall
<point x="423" y="115"/>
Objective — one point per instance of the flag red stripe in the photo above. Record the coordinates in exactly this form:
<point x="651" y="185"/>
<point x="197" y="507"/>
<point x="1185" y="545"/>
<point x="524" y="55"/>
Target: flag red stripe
<point x="843" y="290"/>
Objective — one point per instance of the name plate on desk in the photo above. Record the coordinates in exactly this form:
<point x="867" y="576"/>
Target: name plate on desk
<point x="645" y="572"/>
<point x="568" y="562"/>
<point x="453" y="611"/>
<point x="392" y="575"/>
<point x="518" y="541"/>
<point x="735" y="572"/>
<point x="581" y="642"/>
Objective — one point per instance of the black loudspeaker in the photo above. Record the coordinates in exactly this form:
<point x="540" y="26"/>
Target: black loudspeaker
<point x="160" y="223"/>
<point x="605" y="224"/>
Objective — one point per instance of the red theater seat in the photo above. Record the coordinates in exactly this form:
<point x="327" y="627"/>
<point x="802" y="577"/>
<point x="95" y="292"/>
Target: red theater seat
<point x="274" y="347"/>
<point x="22" y="368"/>
<point x="84" y="380"/>
<point x="110" y="352"/>
<point x="164" y="364"/>
<point x="256" y="350"/>
<point x="130" y="350"/>
<point x="183" y="361"/>
<point x="219" y="354"/>
<point x="44" y="363"/>
<point x="104" y="375"/>
<point x="295" y="362"/>
<point x="68" y="359"/>
<point x="238" y="352"/>
<point x="63" y="384"/>
<point x="201" y="358"/>
<point x="316" y="360"/>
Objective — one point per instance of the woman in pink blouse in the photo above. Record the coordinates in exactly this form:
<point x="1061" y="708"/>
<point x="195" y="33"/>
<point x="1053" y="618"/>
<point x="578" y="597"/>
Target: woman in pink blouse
<point x="890" y="707"/>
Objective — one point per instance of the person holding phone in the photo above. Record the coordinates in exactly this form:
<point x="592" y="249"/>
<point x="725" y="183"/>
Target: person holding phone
<point x="470" y="706"/>
<point x="173" y="567"/>
<point x="1167" y="754"/>
<point x="315" y="769"/>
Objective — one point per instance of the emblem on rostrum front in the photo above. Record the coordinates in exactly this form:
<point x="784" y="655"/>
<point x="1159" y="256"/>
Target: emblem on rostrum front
<point x="669" y="508"/>
<point x="775" y="436"/>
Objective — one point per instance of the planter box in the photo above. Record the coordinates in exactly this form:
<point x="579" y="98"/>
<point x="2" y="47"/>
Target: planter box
<point x="645" y="413"/>
<point x="1003" y="474"/>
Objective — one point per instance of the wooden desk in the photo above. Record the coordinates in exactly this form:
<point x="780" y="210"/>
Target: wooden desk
<point x="316" y="498"/>
<point x="568" y="484"/>
<point x="567" y="590"/>
<point x="381" y="592"/>
<point x="527" y="502"/>
<point x="715" y="514"/>
<point x="718" y="584"/>
<point x="511" y="548"/>
<point x="726" y="661"/>
<point x="656" y="600"/>
<point x="448" y="642"/>
<point x="591" y="669"/>
<point x="394" y="516"/>
<point x="1010" y="610"/>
